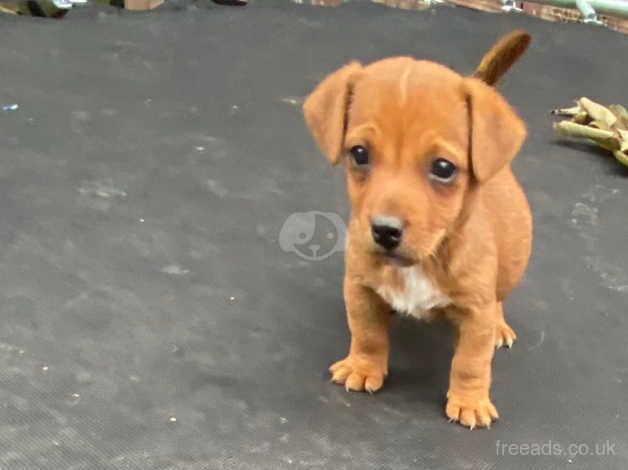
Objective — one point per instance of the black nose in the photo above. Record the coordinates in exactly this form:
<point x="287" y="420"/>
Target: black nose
<point x="387" y="232"/>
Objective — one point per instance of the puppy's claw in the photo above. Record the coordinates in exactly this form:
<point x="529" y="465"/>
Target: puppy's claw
<point x="472" y="415"/>
<point x="357" y="375"/>
<point x="504" y="336"/>
<point x="339" y="375"/>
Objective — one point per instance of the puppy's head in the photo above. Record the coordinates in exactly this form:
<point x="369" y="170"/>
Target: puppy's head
<point x="415" y="138"/>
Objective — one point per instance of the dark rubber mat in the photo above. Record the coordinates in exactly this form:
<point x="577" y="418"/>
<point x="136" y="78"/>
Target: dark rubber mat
<point x="150" y="318"/>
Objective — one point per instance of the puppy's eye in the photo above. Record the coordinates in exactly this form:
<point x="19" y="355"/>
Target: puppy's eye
<point x="359" y="157"/>
<point x="442" y="171"/>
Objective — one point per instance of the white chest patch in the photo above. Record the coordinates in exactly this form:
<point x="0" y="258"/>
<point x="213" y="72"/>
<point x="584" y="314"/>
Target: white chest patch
<point x="417" y="296"/>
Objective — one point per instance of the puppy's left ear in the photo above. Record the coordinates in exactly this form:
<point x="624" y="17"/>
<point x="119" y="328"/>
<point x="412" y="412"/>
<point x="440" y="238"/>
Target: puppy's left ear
<point x="326" y="108"/>
<point x="496" y="132"/>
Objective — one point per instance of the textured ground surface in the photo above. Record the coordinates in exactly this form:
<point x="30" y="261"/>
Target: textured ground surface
<point x="150" y="319"/>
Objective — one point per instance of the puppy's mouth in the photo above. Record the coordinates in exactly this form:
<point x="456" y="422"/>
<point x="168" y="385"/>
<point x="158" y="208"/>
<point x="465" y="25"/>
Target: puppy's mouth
<point x="396" y="259"/>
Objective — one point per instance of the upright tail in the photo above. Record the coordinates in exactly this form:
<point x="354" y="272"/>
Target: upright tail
<point x="502" y="55"/>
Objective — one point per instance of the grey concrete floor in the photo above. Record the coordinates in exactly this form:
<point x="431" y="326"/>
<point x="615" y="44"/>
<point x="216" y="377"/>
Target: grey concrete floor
<point x="149" y="318"/>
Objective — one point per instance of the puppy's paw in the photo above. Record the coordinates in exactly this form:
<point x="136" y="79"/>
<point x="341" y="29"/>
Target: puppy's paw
<point x="470" y="413"/>
<point x="504" y="335"/>
<point x="358" y="374"/>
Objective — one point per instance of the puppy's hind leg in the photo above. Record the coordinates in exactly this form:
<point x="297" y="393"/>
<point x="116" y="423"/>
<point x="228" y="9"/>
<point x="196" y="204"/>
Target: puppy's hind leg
<point x="504" y="334"/>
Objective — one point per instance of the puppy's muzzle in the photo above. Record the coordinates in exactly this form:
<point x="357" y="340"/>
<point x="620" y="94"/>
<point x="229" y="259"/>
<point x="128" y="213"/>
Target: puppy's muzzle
<point x="387" y="231"/>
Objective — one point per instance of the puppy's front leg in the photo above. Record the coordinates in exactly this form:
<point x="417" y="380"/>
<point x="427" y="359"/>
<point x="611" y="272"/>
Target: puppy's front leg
<point x="368" y="316"/>
<point x="468" y="397"/>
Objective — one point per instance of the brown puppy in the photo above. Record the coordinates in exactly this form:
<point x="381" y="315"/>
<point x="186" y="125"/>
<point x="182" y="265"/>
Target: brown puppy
<point x="439" y="224"/>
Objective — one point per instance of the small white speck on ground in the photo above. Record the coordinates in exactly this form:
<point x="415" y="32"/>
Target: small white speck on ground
<point x="200" y="148"/>
<point x="102" y="189"/>
<point x="216" y="188"/>
<point x="175" y="270"/>
<point x="231" y="299"/>
<point x="142" y="220"/>
<point x="55" y="443"/>
<point x="319" y="463"/>
<point x="21" y="352"/>
<point x="283" y="420"/>
<point x="76" y="396"/>
<point x="148" y="100"/>
<point x="44" y="368"/>
<point x="80" y="116"/>
<point x="172" y="419"/>
<point x="292" y="100"/>
<point x="134" y="378"/>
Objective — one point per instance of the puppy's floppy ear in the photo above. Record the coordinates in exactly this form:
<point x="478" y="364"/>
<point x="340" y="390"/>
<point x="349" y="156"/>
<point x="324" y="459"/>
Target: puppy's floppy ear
<point x="496" y="132"/>
<point x="326" y="108"/>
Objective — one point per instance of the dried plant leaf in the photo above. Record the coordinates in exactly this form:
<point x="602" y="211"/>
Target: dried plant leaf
<point x="605" y="139"/>
<point x="574" y="111"/>
<point x="597" y="111"/>
<point x="579" y="130"/>
<point x="600" y="125"/>
<point x="622" y="115"/>
<point x="605" y="126"/>
<point x="621" y="157"/>
<point x="623" y="144"/>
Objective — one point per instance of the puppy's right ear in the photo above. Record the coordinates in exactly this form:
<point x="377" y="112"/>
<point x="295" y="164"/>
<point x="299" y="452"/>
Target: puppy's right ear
<point x="496" y="132"/>
<point x="326" y="109"/>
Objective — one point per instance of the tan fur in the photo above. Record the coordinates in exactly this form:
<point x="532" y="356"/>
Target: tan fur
<point x="502" y="55"/>
<point x="471" y="238"/>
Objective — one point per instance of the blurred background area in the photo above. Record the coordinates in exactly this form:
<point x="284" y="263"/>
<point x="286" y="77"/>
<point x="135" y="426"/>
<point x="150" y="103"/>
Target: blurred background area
<point x="609" y="13"/>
